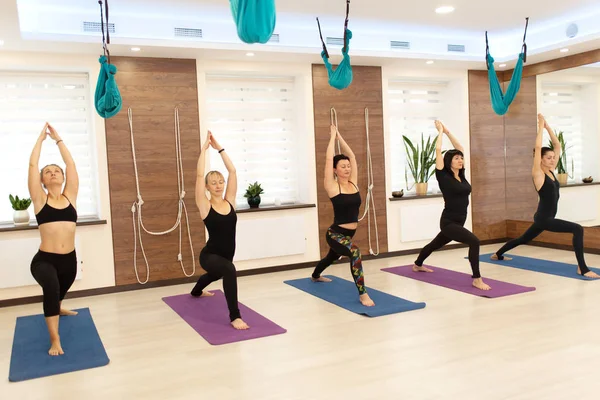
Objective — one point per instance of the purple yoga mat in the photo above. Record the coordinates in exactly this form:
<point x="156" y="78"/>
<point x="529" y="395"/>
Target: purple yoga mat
<point x="459" y="281"/>
<point x="209" y="317"/>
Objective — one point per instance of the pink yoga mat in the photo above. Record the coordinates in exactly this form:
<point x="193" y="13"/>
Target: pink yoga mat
<point x="209" y="317"/>
<point x="459" y="281"/>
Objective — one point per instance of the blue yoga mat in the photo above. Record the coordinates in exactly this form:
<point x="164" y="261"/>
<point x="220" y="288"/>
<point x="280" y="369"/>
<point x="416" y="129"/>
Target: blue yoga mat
<point x="79" y="339"/>
<point x="537" y="265"/>
<point x="343" y="293"/>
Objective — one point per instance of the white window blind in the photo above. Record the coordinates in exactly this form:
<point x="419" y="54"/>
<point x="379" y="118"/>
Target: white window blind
<point x="27" y="101"/>
<point x="562" y="107"/>
<point x="413" y="108"/>
<point x="253" y="117"/>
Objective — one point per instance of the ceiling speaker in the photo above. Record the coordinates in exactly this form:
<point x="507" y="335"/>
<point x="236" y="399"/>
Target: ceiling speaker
<point x="572" y="30"/>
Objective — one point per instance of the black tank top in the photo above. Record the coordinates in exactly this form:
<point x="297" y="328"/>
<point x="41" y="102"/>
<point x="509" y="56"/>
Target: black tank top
<point x="456" y="195"/>
<point x="549" y="195"/>
<point x="221" y="233"/>
<point x="345" y="206"/>
<point x="51" y="214"/>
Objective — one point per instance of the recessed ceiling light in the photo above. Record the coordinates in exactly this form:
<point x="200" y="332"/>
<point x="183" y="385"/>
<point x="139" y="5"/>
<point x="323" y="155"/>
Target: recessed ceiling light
<point x="135" y="49"/>
<point x="250" y="54"/>
<point x="429" y="62"/>
<point x="444" y="9"/>
<point x="564" y="50"/>
<point x="502" y="65"/>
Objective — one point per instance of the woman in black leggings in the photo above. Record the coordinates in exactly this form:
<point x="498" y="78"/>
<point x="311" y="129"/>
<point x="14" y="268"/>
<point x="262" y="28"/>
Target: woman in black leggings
<point x="450" y="174"/>
<point x="547" y="186"/>
<point x="220" y="220"/>
<point x="54" y="266"/>
<point x="341" y="173"/>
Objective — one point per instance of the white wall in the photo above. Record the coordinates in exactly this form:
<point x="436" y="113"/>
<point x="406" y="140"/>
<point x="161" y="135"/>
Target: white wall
<point x="582" y="204"/>
<point x="413" y="223"/>
<point x="95" y="242"/>
<point x="259" y="244"/>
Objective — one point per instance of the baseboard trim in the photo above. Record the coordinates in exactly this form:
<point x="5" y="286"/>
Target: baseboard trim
<point x="257" y="271"/>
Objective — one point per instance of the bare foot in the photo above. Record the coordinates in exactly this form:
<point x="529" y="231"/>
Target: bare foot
<point x="416" y="268"/>
<point x="366" y="300"/>
<point x="239" y="324"/>
<point x="478" y="283"/>
<point x="590" y="274"/>
<point x="206" y="293"/>
<point x="320" y="279"/>
<point x="56" y="348"/>
<point x="505" y="258"/>
<point x="67" y="312"/>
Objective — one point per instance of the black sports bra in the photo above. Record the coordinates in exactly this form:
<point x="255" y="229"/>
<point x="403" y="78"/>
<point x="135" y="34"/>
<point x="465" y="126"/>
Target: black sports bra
<point x="346" y="207"/>
<point x="51" y="214"/>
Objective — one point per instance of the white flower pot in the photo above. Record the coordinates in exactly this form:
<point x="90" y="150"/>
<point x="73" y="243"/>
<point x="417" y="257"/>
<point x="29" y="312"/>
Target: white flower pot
<point x="21" y="217"/>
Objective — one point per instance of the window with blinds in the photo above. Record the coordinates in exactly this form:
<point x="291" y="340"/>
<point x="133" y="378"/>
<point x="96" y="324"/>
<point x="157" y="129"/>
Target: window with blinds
<point x="413" y="106"/>
<point x="562" y="107"/>
<point x="253" y="117"/>
<point x="27" y="101"/>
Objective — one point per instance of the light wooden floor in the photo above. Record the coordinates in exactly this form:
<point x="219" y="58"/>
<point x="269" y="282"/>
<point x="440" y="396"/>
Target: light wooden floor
<point x="538" y="345"/>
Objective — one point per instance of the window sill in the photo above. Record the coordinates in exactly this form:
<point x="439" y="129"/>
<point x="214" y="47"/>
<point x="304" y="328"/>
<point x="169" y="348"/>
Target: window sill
<point x="415" y="197"/>
<point x="10" y="227"/>
<point x="274" y="208"/>
<point x="568" y="185"/>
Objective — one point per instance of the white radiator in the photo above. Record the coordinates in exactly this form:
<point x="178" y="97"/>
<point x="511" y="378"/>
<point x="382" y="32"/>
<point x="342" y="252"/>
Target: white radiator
<point x="420" y="222"/>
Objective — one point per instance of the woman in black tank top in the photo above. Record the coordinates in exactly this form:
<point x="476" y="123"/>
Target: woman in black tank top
<point x="547" y="186"/>
<point x="220" y="220"/>
<point x="345" y="197"/>
<point x="54" y="266"/>
<point x="450" y="174"/>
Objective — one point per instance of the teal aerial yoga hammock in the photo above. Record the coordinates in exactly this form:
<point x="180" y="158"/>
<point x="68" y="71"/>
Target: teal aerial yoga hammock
<point x="341" y="77"/>
<point x="255" y="19"/>
<point x="501" y="102"/>
<point x="107" y="99"/>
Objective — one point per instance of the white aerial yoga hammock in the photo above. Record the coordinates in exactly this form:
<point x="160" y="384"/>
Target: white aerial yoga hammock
<point x="370" y="200"/>
<point x="137" y="205"/>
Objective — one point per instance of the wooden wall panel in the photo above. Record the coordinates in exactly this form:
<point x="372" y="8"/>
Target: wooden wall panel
<point x="558" y="64"/>
<point x="488" y="204"/>
<point x="520" y="129"/>
<point x="153" y="88"/>
<point x="591" y="236"/>
<point x="365" y="91"/>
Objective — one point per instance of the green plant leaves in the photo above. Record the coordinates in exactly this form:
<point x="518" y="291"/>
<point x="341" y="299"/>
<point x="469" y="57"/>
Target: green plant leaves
<point x="420" y="159"/>
<point x="19" y="204"/>
<point x="254" y="190"/>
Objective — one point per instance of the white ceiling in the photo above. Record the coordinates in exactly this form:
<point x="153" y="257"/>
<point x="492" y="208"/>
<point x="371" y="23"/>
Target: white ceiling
<point x="55" y="25"/>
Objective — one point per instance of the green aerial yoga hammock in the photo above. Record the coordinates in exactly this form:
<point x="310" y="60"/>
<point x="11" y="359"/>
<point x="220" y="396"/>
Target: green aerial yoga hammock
<point x="501" y="102"/>
<point x="341" y="77"/>
<point x="107" y="99"/>
<point x="255" y="19"/>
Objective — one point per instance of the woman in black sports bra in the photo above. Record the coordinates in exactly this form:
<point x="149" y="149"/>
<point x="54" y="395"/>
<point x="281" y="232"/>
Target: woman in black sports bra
<point x="345" y="197"/>
<point x="220" y="220"/>
<point x="54" y="266"/>
<point x="547" y="186"/>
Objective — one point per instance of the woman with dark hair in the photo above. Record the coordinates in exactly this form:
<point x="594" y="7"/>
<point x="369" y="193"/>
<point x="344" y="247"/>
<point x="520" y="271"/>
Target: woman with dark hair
<point x="341" y="173"/>
<point x="547" y="186"/>
<point x="450" y="174"/>
<point x="220" y="219"/>
<point x="54" y="266"/>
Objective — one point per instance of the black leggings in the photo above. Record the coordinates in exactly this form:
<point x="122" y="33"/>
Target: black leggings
<point x="218" y="267"/>
<point x="453" y="230"/>
<point x="552" y="225"/>
<point x="55" y="273"/>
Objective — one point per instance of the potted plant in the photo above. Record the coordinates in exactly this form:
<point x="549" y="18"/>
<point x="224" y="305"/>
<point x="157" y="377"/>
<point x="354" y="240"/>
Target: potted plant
<point x="21" y="215"/>
<point x="253" y="194"/>
<point x="563" y="175"/>
<point x="421" y="161"/>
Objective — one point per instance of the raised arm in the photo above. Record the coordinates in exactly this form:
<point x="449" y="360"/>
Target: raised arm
<point x="554" y="139"/>
<point x="439" y="159"/>
<point x="201" y="200"/>
<point x="231" y="189"/>
<point x="71" y="178"/>
<point x="537" y="172"/>
<point x="455" y="143"/>
<point x="34" y="181"/>
<point x="353" y="164"/>
<point x="329" y="181"/>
